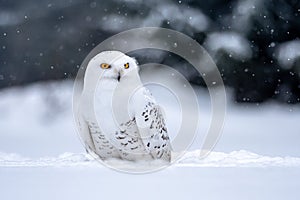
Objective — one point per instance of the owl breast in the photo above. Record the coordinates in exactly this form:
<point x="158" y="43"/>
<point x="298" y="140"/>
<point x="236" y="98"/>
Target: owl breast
<point x="119" y="132"/>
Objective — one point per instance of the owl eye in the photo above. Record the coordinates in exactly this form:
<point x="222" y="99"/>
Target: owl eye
<point x="105" y="66"/>
<point x="126" y="65"/>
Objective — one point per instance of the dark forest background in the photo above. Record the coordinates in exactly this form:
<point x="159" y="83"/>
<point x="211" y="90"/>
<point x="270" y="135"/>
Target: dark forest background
<point x="255" y="43"/>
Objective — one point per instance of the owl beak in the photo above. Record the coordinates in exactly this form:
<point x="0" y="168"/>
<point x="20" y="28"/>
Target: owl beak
<point x="119" y="76"/>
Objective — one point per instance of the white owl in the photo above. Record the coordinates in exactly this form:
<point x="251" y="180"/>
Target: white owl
<point x="118" y="117"/>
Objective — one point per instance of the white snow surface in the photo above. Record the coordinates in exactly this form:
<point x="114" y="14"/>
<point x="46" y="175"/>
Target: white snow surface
<point x="240" y="158"/>
<point x="257" y="156"/>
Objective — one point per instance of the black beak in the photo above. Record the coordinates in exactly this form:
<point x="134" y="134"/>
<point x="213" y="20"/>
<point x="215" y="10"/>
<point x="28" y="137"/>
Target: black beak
<point x="119" y="76"/>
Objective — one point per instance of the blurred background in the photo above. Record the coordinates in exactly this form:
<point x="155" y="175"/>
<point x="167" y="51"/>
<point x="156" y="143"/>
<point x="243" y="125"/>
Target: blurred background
<point x="255" y="43"/>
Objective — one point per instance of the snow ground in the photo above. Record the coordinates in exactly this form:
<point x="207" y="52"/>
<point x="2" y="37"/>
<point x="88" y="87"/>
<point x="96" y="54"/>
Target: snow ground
<point x="179" y="183"/>
<point x="257" y="157"/>
<point x="240" y="158"/>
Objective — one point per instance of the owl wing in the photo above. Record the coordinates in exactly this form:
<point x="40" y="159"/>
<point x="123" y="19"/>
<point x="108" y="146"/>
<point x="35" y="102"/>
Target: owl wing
<point x="96" y="144"/>
<point x="151" y="125"/>
<point x="84" y="131"/>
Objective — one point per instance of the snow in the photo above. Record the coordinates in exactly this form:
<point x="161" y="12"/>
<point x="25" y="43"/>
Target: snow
<point x="287" y="53"/>
<point x="43" y="120"/>
<point x="83" y="182"/>
<point x="233" y="43"/>
<point x="258" y="155"/>
<point x="240" y="158"/>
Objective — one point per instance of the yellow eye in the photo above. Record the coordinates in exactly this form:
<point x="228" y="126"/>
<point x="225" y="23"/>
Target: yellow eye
<point x="126" y="65"/>
<point x="105" y="66"/>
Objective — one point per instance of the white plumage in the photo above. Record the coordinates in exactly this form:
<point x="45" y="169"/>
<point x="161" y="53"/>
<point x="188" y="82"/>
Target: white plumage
<point x="118" y="117"/>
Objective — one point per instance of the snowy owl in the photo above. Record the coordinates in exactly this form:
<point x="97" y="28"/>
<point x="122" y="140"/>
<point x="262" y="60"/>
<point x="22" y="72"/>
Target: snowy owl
<point x="118" y="117"/>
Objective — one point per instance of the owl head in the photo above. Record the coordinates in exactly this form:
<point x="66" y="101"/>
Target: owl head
<point x="111" y="65"/>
